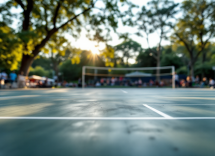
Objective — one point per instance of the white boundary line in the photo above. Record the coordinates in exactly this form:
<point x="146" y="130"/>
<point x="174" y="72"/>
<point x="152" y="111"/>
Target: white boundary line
<point x="124" y="91"/>
<point x="21" y="96"/>
<point x="159" y="112"/>
<point x="175" y="104"/>
<point x="183" y="97"/>
<point x="106" y="118"/>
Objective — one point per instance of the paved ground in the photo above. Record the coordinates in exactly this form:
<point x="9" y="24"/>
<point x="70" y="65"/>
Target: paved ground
<point x="107" y="122"/>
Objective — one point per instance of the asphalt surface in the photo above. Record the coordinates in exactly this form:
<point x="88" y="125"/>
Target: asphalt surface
<point x="107" y="122"/>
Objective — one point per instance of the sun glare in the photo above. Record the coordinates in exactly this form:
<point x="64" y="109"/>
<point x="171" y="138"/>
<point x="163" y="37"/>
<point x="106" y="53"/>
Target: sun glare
<point x="94" y="50"/>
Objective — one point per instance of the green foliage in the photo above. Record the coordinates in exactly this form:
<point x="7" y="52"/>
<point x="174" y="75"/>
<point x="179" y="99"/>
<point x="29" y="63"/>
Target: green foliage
<point x="70" y="71"/>
<point x="171" y="60"/>
<point x="128" y="49"/>
<point x="46" y="21"/>
<point x="195" y="29"/>
<point x="42" y="26"/>
<point x="43" y="62"/>
<point x="157" y="17"/>
<point x="74" y="71"/>
<point x="40" y="71"/>
<point x="182" y="70"/>
<point x="10" y="49"/>
<point x="108" y="55"/>
<point x="144" y="59"/>
<point x="205" y="69"/>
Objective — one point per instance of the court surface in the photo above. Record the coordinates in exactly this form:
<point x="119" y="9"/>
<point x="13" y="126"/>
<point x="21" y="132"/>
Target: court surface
<point x="107" y="122"/>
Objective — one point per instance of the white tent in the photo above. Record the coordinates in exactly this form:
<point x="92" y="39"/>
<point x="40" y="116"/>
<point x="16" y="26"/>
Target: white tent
<point x="35" y="77"/>
<point x="137" y="74"/>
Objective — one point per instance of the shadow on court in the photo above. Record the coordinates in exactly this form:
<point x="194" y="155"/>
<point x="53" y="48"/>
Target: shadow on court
<point x="24" y="137"/>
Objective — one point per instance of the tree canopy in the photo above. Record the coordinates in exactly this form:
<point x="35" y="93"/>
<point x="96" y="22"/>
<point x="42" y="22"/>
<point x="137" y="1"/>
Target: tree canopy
<point x="195" y="29"/>
<point x="156" y="17"/>
<point x="32" y="28"/>
<point x="10" y="49"/>
<point x="128" y="49"/>
<point x="40" y="21"/>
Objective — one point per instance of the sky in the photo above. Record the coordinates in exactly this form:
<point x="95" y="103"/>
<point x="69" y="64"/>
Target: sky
<point x="84" y="43"/>
<point x="115" y="40"/>
<point x="89" y="45"/>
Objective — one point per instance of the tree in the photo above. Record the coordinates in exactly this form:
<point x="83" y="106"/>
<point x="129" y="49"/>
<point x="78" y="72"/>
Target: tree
<point x="157" y="17"/>
<point x="171" y="58"/>
<point x="41" y="20"/>
<point x="40" y="71"/>
<point x="9" y="48"/>
<point x="74" y="71"/>
<point x="59" y="51"/>
<point x="168" y="58"/>
<point x="195" y="29"/>
<point x="145" y="60"/>
<point x="128" y="49"/>
<point x="42" y="61"/>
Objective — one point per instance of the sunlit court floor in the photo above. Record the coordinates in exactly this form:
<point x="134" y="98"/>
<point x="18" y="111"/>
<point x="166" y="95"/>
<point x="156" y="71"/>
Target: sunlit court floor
<point x="107" y="122"/>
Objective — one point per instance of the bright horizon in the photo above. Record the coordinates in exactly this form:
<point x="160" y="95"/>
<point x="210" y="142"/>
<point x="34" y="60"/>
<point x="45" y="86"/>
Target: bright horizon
<point x="84" y="43"/>
<point x="90" y="45"/>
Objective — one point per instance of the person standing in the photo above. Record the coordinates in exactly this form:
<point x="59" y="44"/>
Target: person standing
<point x="211" y="83"/>
<point x="3" y="78"/>
<point x="140" y="83"/>
<point x="21" y="80"/>
<point x="189" y="81"/>
<point x="151" y="82"/>
<point x="112" y="81"/>
<point x="197" y="80"/>
<point x="13" y="77"/>
<point x="102" y="81"/>
<point x="45" y="84"/>
<point x="80" y="82"/>
<point x="176" y="77"/>
<point x="107" y="81"/>
<point x="0" y="80"/>
<point x="204" y="82"/>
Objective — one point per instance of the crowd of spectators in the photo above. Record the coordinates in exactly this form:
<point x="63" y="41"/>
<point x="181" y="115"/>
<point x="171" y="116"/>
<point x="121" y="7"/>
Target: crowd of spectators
<point x="194" y="82"/>
<point x="12" y="80"/>
<point x="187" y="82"/>
<point x="128" y="82"/>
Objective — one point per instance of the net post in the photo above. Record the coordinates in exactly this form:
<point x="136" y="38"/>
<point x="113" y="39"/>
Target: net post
<point x="83" y="76"/>
<point x="173" y="77"/>
<point x="95" y="73"/>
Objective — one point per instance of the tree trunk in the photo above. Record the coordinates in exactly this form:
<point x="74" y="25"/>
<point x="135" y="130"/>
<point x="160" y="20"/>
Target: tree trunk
<point x="158" y="65"/>
<point x="27" y="61"/>
<point x="191" y="74"/>
<point x="55" y="65"/>
<point x="203" y="57"/>
<point x="192" y="62"/>
<point x="158" y="71"/>
<point x="115" y="63"/>
<point x="203" y="62"/>
<point x="127" y="62"/>
<point x="122" y="61"/>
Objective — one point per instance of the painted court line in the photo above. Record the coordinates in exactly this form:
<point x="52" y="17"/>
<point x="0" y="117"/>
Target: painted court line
<point x="124" y="91"/>
<point x="20" y="96"/>
<point x="175" y="104"/>
<point x="159" y="112"/>
<point x="106" y="118"/>
<point x="180" y="97"/>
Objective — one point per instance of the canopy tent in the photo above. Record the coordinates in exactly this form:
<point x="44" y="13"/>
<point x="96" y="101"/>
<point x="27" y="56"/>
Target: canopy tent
<point x="138" y="74"/>
<point x="35" y="77"/>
